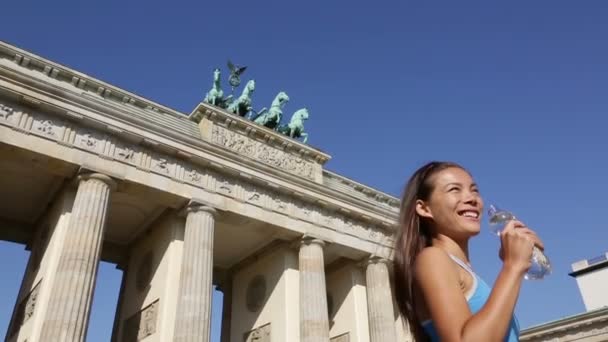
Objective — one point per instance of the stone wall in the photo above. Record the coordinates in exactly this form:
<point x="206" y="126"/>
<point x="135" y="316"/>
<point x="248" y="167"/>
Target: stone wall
<point x="347" y="304"/>
<point x="265" y="291"/>
<point x="149" y="294"/>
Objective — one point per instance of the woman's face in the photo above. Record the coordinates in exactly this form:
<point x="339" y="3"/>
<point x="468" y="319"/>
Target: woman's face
<point x="454" y="205"/>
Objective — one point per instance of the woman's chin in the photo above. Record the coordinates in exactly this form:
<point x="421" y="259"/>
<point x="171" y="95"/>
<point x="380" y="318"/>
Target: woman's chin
<point x="473" y="229"/>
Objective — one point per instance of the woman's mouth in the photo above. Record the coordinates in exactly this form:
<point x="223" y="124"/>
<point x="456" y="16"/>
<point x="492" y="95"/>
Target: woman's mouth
<point x="470" y="214"/>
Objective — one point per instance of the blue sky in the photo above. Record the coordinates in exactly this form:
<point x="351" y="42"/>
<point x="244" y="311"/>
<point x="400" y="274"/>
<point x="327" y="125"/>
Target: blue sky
<point x="514" y="91"/>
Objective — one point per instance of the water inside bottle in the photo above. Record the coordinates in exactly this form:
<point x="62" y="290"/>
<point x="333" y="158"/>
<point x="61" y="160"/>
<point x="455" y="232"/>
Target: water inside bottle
<point x="541" y="266"/>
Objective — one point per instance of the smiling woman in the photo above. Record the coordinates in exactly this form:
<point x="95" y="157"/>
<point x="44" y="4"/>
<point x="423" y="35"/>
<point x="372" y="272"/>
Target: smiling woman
<point x="436" y="287"/>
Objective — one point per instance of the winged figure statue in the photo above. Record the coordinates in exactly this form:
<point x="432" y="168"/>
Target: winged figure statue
<point x="235" y="72"/>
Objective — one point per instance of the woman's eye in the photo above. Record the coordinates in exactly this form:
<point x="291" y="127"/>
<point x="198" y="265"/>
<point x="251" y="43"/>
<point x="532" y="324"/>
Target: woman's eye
<point x="453" y="189"/>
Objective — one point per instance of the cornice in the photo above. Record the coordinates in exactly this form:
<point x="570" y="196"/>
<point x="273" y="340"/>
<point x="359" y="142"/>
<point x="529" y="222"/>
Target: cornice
<point x="80" y="80"/>
<point x="362" y="190"/>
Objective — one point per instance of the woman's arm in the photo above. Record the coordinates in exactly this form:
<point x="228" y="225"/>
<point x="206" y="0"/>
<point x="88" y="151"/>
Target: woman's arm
<point x="438" y="281"/>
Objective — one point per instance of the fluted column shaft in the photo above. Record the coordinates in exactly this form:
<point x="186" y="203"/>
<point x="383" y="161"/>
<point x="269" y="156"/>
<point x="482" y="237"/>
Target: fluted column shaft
<point x="193" y="321"/>
<point x="71" y="296"/>
<point x="379" y="301"/>
<point x="314" y="320"/>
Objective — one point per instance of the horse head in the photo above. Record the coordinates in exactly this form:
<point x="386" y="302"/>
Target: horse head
<point x="300" y="115"/>
<point x="280" y="100"/>
<point x="216" y="74"/>
<point x="249" y="87"/>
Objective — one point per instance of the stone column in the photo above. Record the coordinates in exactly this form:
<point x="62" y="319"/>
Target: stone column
<point x="379" y="301"/>
<point x="68" y="311"/>
<point x="314" y="320"/>
<point x="193" y="319"/>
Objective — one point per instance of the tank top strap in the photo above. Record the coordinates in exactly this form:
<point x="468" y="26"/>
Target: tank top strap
<point x="463" y="265"/>
<point x="474" y="287"/>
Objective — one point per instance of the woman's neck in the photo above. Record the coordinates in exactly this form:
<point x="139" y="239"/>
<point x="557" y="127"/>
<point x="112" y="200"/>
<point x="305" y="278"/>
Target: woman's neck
<point x="459" y="249"/>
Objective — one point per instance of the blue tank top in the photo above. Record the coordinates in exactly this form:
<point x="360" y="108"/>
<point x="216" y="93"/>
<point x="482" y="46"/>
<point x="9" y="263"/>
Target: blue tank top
<point x="477" y="297"/>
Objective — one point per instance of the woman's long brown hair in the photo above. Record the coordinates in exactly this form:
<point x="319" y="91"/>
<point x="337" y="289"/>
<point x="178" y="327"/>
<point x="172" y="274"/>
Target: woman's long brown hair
<point x="413" y="235"/>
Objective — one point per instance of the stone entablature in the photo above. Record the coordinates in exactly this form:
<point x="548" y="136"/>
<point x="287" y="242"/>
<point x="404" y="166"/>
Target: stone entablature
<point x="588" y="326"/>
<point x="360" y="191"/>
<point x="114" y="145"/>
<point x="262" y="144"/>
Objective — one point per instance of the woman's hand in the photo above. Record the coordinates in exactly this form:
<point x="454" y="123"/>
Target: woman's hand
<point x="517" y="242"/>
<point x="531" y="234"/>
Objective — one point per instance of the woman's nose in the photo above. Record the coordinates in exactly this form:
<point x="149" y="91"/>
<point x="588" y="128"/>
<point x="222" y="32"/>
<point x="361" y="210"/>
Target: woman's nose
<point x="471" y="197"/>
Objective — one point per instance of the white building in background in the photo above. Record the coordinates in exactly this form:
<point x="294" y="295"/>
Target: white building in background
<point x="591" y="326"/>
<point x="592" y="279"/>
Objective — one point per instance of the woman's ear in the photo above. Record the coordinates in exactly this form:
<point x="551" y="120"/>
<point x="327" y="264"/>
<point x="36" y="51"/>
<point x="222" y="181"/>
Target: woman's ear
<point x="423" y="210"/>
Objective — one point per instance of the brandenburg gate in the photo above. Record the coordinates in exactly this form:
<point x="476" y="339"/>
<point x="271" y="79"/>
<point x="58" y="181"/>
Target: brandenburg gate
<point x="182" y="203"/>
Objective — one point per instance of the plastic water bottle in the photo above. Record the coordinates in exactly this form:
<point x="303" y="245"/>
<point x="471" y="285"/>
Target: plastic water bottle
<point x="541" y="266"/>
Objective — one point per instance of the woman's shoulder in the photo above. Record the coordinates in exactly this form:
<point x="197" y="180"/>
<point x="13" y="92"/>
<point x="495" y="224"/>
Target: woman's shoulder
<point x="434" y="261"/>
<point x="432" y="253"/>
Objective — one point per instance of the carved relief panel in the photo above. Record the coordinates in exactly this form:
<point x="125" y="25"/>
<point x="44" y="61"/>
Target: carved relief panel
<point x="142" y="324"/>
<point x="25" y="310"/>
<point x="262" y="152"/>
<point x="260" y="334"/>
<point x="341" y="338"/>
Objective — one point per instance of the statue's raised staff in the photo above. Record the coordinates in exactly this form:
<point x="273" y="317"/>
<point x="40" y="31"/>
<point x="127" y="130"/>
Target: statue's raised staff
<point x="215" y="96"/>
<point x="271" y="118"/>
<point x="295" y="127"/>
<point x="242" y="105"/>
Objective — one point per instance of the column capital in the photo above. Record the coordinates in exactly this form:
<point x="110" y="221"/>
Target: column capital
<point x="373" y="260"/>
<point x="376" y="259"/>
<point x="86" y="175"/>
<point x="196" y="205"/>
<point x="310" y="240"/>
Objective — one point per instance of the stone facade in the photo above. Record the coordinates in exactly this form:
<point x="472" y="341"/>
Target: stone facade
<point x="181" y="202"/>
<point x="591" y="326"/>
